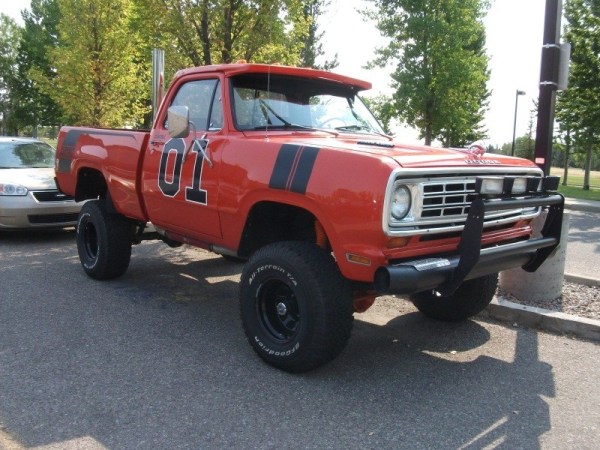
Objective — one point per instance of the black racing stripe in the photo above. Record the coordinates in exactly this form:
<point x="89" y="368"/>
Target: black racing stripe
<point x="304" y="169"/>
<point x="283" y="166"/>
<point x="70" y="143"/>
<point x="68" y="150"/>
<point x="72" y="137"/>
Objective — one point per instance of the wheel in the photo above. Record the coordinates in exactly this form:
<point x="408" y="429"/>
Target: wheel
<point x="296" y="307"/>
<point x="470" y="298"/>
<point x="103" y="241"/>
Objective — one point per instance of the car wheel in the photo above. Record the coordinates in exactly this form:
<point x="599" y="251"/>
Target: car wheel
<point x="103" y="241"/>
<point x="470" y="298"/>
<point x="296" y="307"/>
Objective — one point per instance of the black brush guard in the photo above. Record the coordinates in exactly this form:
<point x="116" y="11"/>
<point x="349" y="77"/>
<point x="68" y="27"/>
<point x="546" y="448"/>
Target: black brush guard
<point x="446" y="274"/>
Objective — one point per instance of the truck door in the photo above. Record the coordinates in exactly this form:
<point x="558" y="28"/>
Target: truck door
<point x="180" y="176"/>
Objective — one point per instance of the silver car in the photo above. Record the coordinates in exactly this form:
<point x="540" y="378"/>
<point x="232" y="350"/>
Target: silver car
<point x="29" y="197"/>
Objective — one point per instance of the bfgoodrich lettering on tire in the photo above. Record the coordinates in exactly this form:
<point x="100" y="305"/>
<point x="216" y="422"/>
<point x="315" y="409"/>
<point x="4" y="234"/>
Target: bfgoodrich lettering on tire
<point x="103" y="241"/>
<point x="296" y="307"/>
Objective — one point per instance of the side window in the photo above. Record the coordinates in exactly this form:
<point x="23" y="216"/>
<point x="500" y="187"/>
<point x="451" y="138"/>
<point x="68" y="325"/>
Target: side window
<point x="201" y="97"/>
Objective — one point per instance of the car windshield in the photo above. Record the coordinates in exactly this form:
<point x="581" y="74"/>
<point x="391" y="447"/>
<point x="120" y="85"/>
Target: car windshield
<point x="23" y="155"/>
<point x="261" y="101"/>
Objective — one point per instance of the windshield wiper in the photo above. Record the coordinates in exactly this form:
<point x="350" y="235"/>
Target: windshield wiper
<point x="266" y="108"/>
<point x="362" y="128"/>
<point x="293" y="126"/>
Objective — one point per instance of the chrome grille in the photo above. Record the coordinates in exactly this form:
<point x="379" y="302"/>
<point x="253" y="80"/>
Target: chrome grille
<point x="441" y="204"/>
<point x="51" y="196"/>
<point x="447" y="199"/>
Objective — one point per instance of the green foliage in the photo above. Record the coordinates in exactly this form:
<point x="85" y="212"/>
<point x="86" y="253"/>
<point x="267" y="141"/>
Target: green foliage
<point x="577" y="107"/>
<point x="382" y="108"/>
<point x="582" y="194"/>
<point x="100" y="78"/>
<point x="9" y="38"/>
<point x="223" y="31"/>
<point x="87" y="62"/>
<point x="312" y="48"/>
<point x="441" y="66"/>
<point x="524" y="147"/>
<point x="40" y="33"/>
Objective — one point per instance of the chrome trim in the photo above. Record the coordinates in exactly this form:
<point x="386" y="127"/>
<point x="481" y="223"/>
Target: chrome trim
<point x="417" y="179"/>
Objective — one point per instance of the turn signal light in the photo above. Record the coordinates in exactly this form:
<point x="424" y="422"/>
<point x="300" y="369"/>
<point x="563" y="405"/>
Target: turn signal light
<point x="357" y="259"/>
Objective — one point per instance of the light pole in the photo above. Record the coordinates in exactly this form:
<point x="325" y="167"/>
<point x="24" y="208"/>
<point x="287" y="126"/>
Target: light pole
<point x="512" y="150"/>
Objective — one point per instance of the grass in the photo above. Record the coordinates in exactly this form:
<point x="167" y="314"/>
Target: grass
<point x="52" y="142"/>
<point x="574" y="187"/>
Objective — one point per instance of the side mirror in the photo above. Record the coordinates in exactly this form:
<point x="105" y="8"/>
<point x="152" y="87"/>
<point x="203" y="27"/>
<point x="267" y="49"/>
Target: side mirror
<point x="179" y="121"/>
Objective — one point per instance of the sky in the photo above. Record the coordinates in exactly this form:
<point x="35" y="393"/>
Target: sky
<point x="514" y="31"/>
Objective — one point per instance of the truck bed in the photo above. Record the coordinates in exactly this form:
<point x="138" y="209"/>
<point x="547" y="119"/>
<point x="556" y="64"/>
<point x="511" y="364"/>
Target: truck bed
<point x="116" y="154"/>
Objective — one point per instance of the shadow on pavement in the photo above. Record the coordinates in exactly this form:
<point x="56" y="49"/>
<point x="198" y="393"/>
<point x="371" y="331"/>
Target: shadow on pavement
<point x="158" y="359"/>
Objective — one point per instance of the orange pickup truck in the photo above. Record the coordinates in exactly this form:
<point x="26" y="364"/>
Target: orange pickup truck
<point x="287" y="169"/>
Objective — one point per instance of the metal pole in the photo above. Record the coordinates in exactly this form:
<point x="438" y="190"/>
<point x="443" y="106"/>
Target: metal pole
<point x="548" y="85"/>
<point x="158" y="76"/>
<point x="512" y="150"/>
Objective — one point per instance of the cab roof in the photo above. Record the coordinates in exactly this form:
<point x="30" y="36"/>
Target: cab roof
<point x="230" y="70"/>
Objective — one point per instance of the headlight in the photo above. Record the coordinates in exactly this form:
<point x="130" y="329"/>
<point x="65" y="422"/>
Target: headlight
<point x="400" y="202"/>
<point x="519" y="186"/>
<point x="12" y="189"/>
<point x="489" y="185"/>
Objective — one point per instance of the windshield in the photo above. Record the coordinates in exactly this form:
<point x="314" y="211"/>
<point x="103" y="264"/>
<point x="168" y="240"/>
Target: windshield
<point x="22" y="155"/>
<point x="261" y="101"/>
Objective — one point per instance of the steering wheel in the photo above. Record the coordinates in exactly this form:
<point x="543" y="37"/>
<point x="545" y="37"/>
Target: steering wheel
<point x="323" y="124"/>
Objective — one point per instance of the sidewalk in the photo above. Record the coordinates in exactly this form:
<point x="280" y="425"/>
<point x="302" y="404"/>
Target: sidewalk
<point x="543" y="319"/>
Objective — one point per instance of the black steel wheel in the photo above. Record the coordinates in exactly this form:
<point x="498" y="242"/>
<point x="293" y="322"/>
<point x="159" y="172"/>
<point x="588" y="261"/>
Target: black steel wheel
<point x="295" y="305"/>
<point x="103" y="241"/>
<point x="278" y="310"/>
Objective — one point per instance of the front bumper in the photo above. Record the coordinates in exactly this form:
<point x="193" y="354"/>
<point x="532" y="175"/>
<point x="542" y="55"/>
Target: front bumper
<point x="26" y="212"/>
<point x="445" y="274"/>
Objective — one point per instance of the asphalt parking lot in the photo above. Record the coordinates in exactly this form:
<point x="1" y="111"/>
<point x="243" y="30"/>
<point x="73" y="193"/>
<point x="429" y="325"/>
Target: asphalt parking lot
<point x="158" y="359"/>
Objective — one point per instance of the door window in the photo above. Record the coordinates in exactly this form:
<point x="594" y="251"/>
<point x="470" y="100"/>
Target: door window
<point x="203" y="100"/>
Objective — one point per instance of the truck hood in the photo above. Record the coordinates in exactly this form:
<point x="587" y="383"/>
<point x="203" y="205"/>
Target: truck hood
<point x="417" y="156"/>
<point x="407" y="156"/>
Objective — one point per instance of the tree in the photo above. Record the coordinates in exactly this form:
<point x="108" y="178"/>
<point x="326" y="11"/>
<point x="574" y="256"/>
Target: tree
<point x="40" y="34"/>
<point x="100" y="80"/>
<point x="441" y="66"/>
<point x="383" y="109"/>
<point x="208" y="32"/>
<point x="577" y="108"/>
<point x="312" y="47"/>
<point x="9" y="39"/>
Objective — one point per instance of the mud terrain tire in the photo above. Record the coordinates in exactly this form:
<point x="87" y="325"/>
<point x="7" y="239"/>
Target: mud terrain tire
<point x="469" y="299"/>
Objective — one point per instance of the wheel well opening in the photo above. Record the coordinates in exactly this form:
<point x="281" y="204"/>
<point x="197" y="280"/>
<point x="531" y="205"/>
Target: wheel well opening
<point x="270" y="222"/>
<point x="90" y="185"/>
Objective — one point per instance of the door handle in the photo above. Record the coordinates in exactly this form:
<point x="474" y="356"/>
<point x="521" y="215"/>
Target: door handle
<point x="154" y="144"/>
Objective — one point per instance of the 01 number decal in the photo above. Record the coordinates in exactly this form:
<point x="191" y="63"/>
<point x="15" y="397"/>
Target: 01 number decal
<point x="171" y="185"/>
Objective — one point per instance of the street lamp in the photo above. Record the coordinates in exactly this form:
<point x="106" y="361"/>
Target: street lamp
<point x="512" y="150"/>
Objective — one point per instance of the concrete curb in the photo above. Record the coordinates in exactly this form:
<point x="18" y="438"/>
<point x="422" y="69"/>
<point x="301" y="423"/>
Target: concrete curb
<point x="582" y="205"/>
<point x="543" y="319"/>
<point x="582" y="280"/>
